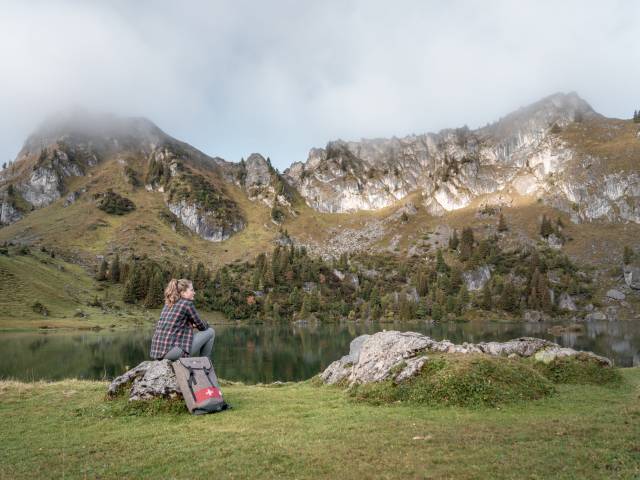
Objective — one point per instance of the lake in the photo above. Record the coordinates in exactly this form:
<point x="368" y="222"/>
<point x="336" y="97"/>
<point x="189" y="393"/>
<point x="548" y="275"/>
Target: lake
<point x="267" y="353"/>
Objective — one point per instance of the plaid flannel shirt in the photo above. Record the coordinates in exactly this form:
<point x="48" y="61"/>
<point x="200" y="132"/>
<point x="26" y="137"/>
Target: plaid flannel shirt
<point x="174" y="329"/>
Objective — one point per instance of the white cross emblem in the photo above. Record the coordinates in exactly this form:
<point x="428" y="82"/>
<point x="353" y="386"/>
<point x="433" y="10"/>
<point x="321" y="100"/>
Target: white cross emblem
<point x="209" y="392"/>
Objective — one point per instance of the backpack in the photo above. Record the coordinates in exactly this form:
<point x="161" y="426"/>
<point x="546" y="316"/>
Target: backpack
<point x="199" y="385"/>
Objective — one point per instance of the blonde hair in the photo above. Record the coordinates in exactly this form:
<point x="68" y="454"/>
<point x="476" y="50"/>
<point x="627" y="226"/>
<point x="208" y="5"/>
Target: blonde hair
<point x="174" y="289"/>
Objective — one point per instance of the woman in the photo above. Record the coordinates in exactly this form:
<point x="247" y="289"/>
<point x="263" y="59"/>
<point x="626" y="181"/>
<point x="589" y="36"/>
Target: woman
<point x="174" y="337"/>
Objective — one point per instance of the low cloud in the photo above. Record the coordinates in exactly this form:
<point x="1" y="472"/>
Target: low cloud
<point x="280" y="77"/>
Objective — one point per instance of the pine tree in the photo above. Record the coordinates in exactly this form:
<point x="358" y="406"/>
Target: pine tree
<point x="200" y="277"/>
<point x="454" y="241"/>
<point x="441" y="265"/>
<point x="487" y="300"/>
<point x="502" y="224"/>
<point x="627" y="255"/>
<point x="155" y="290"/>
<point x="546" y="228"/>
<point x="422" y="283"/>
<point x="544" y="297"/>
<point x="466" y="244"/>
<point x="115" y="270"/>
<point x="102" y="272"/>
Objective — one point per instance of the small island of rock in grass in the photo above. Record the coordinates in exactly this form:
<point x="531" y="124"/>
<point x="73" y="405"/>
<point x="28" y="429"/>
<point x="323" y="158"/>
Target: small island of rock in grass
<point x="393" y="366"/>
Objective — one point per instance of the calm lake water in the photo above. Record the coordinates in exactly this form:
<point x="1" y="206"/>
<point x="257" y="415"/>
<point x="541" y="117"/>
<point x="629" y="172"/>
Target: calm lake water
<point x="266" y="353"/>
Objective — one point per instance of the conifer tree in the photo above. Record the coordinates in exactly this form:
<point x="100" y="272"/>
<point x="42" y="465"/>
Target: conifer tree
<point x="466" y="244"/>
<point x="544" y="297"/>
<point x="454" y="241"/>
<point x="155" y="290"/>
<point x="102" y="271"/>
<point x="502" y="224"/>
<point x="441" y="265"/>
<point x="486" y="299"/>
<point x="115" y="270"/>
<point x="546" y="228"/>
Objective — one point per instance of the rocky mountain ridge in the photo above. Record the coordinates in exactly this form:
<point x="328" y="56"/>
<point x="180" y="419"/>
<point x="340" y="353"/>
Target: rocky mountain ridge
<point x="521" y="154"/>
<point x="543" y="152"/>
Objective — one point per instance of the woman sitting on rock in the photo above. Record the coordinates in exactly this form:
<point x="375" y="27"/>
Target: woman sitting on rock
<point x="174" y="336"/>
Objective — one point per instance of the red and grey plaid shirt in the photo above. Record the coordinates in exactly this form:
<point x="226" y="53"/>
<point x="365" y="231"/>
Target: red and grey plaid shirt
<point x="174" y="329"/>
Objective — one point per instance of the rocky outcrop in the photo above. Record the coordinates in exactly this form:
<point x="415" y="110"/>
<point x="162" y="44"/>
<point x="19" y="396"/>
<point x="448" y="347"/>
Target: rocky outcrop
<point x="401" y="355"/>
<point x="8" y="212"/>
<point x="208" y="225"/>
<point x="450" y="168"/>
<point x="150" y="379"/>
<point x="476" y="279"/>
<point x="632" y="276"/>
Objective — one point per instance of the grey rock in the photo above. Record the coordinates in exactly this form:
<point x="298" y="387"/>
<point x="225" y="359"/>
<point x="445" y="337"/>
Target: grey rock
<point x="411" y="369"/>
<point x="383" y="351"/>
<point x="548" y="355"/>
<point x="595" y="315"/>
<point x="632" y="276"/>
<point x="534" y="316"/>
<point x="8" y="213"/>
<point x="565" y="302"/>
<point x="400" y="356"/>
<point x="206" y="224"/>
<point x="616" y="294"/>
<point x="150" y="379"/>
<point x="476" y="279"/>
<point x="554" y="241"/>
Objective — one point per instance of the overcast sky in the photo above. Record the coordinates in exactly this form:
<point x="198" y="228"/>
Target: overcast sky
<point x="280" y="77"/>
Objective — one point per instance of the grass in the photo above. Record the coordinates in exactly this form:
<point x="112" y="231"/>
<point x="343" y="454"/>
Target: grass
<point x="63" y="288"/>
<point x="68" y="430"/>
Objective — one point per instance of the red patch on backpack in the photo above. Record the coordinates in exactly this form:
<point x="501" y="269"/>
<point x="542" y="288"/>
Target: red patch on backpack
<point x="207" y="393"/>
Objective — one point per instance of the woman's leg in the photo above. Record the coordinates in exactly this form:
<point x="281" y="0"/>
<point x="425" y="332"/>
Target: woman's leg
<point x="174" y="354"/>
<point x="203" y="343"/>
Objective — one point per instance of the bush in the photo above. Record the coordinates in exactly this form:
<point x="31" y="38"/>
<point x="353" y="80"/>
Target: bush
<point x="114" y="203"/>
<point x="40" y="308"/>
<point x="462" y="380"/>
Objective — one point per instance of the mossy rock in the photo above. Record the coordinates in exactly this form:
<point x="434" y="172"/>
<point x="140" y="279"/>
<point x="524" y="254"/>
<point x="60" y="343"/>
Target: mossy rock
<point x="462" y="380"/>
<point x="578" y="369"/>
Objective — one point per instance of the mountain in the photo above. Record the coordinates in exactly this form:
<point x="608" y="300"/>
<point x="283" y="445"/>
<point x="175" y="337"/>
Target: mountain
<point x="532" y="151"/>
<point x="101" y="184"/>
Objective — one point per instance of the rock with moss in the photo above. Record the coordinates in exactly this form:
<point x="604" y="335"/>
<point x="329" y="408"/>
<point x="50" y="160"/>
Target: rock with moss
<point x="400" y="356"/>
<point x="148" y="380"/>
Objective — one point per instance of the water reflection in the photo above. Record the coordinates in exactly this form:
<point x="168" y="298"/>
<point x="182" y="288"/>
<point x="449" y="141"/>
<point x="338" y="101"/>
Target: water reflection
<point x="266" y="353"/>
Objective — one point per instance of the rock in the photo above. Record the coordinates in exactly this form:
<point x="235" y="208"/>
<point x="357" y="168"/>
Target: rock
<point x="595" y="315"/>
<point x="554" y="241"/>
<point x="476" y="279"/>
<point x="399" y="356"/>
<point x="71" y="198"/>
<point x="150" y="379"/>
<point x="616" y="294"/>
<point x="566" y="302"/>
<point x="632" y="276"/>
<point x="341" y="369"/>
<point x="383" y="351"/>
<point x="207" y="225"/>
<point x="552" y="353"/>
<point x="534" y="316"/>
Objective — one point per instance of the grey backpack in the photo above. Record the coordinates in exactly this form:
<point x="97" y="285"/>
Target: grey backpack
<point x="199" y="385"/>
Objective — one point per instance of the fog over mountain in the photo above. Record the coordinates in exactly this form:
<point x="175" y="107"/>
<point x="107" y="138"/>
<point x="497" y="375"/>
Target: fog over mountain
<point x="281" y="77"/>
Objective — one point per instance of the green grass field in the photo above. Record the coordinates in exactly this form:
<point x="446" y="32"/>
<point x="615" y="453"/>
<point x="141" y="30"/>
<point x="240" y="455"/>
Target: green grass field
<point x="64" y="289"/>
<point x="68" y="430"/>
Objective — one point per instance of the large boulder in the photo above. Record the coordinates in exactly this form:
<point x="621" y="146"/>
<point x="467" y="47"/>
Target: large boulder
<point x="149" y="380"/>
<point x="401" y="355"/>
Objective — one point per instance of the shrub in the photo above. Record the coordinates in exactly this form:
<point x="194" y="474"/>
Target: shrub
<point x="40" y="308"/>
<point x="114" y="203"/>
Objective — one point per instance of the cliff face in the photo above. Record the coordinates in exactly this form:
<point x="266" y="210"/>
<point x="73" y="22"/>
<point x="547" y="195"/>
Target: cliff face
<point x="524" y="153"/>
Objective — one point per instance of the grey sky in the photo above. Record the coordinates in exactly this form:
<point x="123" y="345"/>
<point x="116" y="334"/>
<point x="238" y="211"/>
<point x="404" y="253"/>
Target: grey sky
<point x="280" y="77"/>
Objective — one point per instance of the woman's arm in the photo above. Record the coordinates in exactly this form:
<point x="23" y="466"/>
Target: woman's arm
<point x="195" y="320"/>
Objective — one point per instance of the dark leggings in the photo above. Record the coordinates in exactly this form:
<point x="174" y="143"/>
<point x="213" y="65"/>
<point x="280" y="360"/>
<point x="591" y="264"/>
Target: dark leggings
<point x="202" y="345"/>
